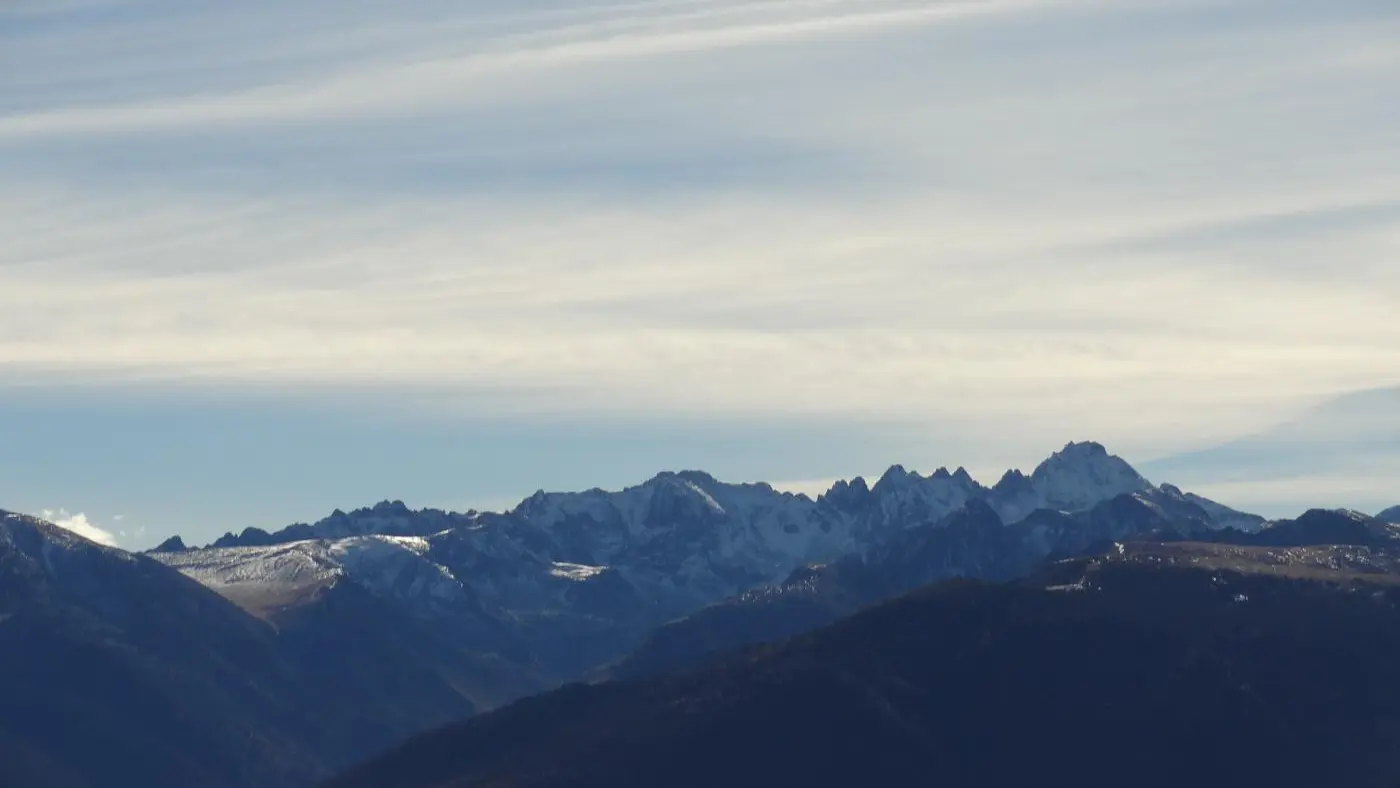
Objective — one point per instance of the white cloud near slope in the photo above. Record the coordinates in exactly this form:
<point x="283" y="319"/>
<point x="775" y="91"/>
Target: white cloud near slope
<point x="80" y="525"/>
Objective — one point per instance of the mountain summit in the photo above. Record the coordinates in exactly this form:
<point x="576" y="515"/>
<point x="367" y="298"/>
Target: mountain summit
<point x="1082" y="474"/>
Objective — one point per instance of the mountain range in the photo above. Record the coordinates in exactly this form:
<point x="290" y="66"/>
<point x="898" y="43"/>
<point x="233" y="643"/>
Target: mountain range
<point x="567" y="582"/>
<point x="278" y="657"/>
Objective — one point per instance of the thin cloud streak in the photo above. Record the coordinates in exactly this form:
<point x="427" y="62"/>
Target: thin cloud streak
<point x="520" y="316"/>
<point x="406" y="87"/>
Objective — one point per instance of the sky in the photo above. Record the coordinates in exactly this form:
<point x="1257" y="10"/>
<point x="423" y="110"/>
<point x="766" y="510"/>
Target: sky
<point x="261" y="260"/>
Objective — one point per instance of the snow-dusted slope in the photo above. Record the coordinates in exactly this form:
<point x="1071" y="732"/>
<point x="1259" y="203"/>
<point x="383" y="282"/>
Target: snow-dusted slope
<point x="686" y="531"/>
<point x="292" y="565"/>
<point x="391" y="518"/>
<point x="393" y="567"/>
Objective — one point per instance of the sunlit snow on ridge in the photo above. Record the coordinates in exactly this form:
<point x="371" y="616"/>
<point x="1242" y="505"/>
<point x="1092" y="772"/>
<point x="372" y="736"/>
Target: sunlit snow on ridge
<point x="577" y="572"/>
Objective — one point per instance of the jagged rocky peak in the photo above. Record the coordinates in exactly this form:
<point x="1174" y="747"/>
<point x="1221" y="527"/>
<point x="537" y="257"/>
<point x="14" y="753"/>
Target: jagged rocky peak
<point x="391" y="508"/>
<point x="536" y="501"/>
<point x="960" y="476"/>
<point x="1081" y="474"/>
<point x="251" y="537"/>
<point x="848" y="496"/>
<point x="1014" y="496"/>
<point x="172" y="545"/>
<point x="229" y="539"/>
<point x="1013" y="482"/>
<point x="896" y="477"/>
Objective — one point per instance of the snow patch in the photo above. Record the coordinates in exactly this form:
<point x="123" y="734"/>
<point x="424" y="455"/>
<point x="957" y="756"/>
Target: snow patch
<point x="576" y="572"/>
<point x="704" y="496"/>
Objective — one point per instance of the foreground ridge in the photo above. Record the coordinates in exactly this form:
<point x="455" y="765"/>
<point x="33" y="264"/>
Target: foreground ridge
<point x="1175" y="663"/>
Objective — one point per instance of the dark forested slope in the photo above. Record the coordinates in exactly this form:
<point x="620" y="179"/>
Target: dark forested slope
<point x="1161" y="665"/>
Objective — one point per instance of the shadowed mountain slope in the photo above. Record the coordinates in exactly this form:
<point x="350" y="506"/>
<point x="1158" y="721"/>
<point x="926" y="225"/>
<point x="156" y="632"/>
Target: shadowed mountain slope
<point x="118" y="670"/>
<point x="1127" y="668"/>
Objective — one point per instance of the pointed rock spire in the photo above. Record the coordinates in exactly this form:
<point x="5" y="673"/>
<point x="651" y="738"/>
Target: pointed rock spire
<point x="172" y="545"/>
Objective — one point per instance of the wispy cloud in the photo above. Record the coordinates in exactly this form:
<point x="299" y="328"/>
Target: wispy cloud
<point x="665" y="31"/>
<point x="1066" y="215"/>
<point x="80" y="525"/>
<point x="952" y="323"/>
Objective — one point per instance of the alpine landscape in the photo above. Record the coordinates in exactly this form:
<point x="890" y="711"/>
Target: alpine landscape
<point x="699" y="394"/>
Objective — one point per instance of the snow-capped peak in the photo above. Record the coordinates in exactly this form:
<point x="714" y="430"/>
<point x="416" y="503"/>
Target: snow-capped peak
<point x="1082" y="474"/>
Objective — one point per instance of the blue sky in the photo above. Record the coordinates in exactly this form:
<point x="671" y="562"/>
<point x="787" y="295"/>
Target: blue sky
<point x="265" y="259"/>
